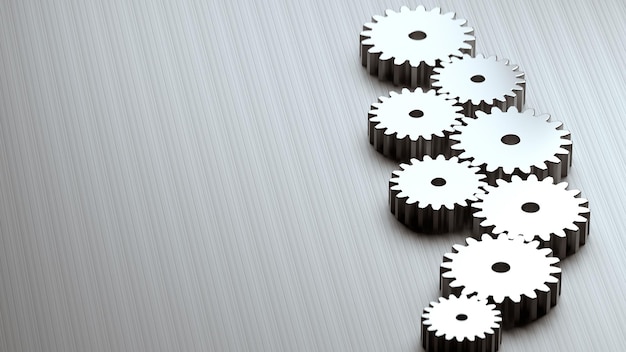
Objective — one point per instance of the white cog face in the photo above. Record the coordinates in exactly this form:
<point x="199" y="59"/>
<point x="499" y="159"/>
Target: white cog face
<point x="418" y="36"/>
<point x="416" y="114"/>
<point x="531" y="208"/>
<point x="478" y="79"/>
<point x="501" y="268"/>
<point x="511" y="140"/>
<point x="438" y="182"/>
<point x="462" y="318"/>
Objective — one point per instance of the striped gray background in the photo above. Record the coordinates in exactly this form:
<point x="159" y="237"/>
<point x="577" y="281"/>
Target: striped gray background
<point x="193" y="175"/>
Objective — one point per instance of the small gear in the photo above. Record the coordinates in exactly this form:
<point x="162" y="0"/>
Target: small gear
<point x="434" y="195"/>
<point x="524" y="281"/>
<point x="413" y="124"/>
<point x="535" y="210"/>
<point x="405" y="46"/>
<point x="514" y="143"/>
<point x="458" y="324"/>
<point x="481" y="83"/>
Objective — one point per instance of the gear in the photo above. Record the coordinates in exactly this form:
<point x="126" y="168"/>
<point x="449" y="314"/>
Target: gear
<point x="405" y="46"/>
<point x="514" y="143"/>
<point x="481" y="83"/>
<point x="535" y="210"/>
<point x="524" y="281"/>
<point x="434" y="195"/>
<point x="457" y="324"/>
<point x="413" y="124"/>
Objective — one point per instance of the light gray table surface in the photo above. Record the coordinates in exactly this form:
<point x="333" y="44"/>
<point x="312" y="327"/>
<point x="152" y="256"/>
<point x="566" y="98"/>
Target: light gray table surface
<point x="195" y="175"/>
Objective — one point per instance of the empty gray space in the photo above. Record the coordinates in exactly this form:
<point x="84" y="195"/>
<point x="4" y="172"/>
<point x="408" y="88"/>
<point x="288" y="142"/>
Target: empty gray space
<point x="196" y="176"/>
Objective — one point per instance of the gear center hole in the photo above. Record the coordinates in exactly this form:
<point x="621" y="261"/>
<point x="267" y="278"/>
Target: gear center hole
<point x="477" y="78"/>
<point x="500" y="267"/>
<point x="510" y="139"/>
<point x="530" y="207"/>
<point x="461" y="317"/>
<point x="417" y="35"/>
<point x="416" y="113"/>
<point x="438" y="181"/>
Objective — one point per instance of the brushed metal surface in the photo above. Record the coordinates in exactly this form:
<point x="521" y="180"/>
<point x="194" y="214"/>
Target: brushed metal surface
<point x="195" y="175"/>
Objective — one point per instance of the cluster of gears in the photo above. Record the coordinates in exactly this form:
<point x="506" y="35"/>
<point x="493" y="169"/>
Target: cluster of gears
<point x="472" y="159"/>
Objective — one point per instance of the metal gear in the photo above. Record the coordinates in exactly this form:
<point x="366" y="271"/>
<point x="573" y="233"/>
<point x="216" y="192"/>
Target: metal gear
<point x="412" y="124"/>
<point x="434" y="195"/>
<point x="481" y="83"/>
<point x="535" y="210"/>
<point x="524" y="281"/>
<point x="405" y="46"/>
<point x="514" y="143"/>
<point x="458" y="324"/>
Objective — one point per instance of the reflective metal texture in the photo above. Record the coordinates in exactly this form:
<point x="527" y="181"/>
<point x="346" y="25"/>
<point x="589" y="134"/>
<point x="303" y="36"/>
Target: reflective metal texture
<point x="480" y="83"/>
<point x="413" y="124"/>
<point x="405" y="46"/>
<point x="462" y="323"/>
<point x="514" y="143"/>
<point x="524" y="281"/>
<point x="535" y="210"/>
<point x="434" y="195"/>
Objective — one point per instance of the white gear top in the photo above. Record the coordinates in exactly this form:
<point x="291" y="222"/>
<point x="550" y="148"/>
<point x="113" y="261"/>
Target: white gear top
<point x="416" y="114"/>
<point x="511" y="140"/>
<point x="501" y="268"/>
<point x="417" y="36"/>
<point x="478" y="79"/>
<point x="531" y="208"/>
<point x="461" y="318"/>
<point x="438" y="182"/>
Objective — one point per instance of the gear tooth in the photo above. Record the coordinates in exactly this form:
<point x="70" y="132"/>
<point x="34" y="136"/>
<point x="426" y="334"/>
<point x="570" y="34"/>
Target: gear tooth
<point x="460" y="247"/>
<point x="542" y="288"/>
<point x="399" y="61"/>
<point x="389" y="12"/>
<point x="451" y="15"/>
<point x="374" y="50"/>
<point x="378" y="18"/>
<point x="479" y="114"/>
<point x="516" y="178"/>
<point x="367" y="41"/>
<point x="413" y="68"/>
<point x="501" y="237"/>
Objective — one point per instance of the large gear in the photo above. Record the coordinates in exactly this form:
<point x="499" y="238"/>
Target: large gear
<point x="405" y="46"/>
<point x="535" y="210"/>
<point x="434" y="195"/>
<point x="481" y="83"/>
<point x="524" y="281"/>
<point x="457" y="324"/>
<point x="514" y="143"/>
<point x="412" y="124"/>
